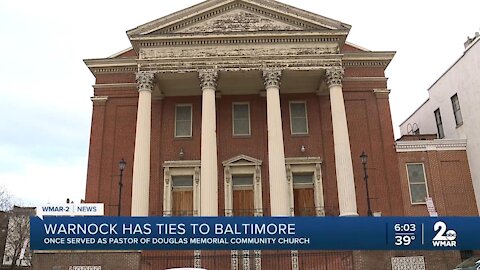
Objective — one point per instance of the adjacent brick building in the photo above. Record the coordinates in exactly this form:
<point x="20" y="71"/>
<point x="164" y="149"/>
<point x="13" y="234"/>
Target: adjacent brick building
<point x="437" y="169"/>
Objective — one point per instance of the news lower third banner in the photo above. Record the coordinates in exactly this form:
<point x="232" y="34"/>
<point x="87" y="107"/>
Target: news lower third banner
<point x="254" y="233"/>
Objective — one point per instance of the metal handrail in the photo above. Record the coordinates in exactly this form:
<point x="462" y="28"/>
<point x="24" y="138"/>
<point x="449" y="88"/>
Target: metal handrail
<point x="314" y="211"/>
<point x="180" y="213"/>
<point x="255" y="212"/>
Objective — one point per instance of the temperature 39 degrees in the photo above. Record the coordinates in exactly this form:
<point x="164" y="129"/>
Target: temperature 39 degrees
<point x="404" y="233"/>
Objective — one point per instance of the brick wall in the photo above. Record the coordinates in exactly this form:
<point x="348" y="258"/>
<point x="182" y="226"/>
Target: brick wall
<point x="369" y="122"/>
<point x="128" y="260"/>
<point x="448" y="179"/>
<point x="367" y="260"/>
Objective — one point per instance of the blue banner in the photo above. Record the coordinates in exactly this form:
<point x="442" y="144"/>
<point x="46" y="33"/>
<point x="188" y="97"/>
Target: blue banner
<point x="254" y="233"/>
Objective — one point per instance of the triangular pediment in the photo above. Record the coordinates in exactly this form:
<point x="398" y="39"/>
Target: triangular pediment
<point x="238" y="20"/>
<point x="226" y="16"/>
<point x="242" y="160"/>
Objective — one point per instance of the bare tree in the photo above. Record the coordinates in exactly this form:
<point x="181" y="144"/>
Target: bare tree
<point x="14" y="231"/>
<point x="17" y="244"/>
<point x="6" y="201"/>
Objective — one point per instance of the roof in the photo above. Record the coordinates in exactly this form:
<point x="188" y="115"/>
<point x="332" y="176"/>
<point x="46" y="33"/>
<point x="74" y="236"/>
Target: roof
<point x="211" y="10"/>
<point x="211" y="24"/>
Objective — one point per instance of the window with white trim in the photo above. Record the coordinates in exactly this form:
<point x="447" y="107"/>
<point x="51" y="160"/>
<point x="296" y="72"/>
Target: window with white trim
<point x="298" y="117"/>
<point x="457" y="113"/>
<point x="417" y="182"/>
<point x="241" y="119"/>
<point x="183" y="121"/>
<point x="243" y="186"/>
<point x="438" y="121"/>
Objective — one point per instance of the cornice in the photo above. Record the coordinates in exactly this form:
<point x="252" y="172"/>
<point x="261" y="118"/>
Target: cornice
<point x="234" y="63"/>
<point x="114" y="85"/>
<point x="249" y="7"/>
<point x="379" y="55"/>
<point x="235" y="161"/>
<point x="367" y="59"/>
<point x="335" y="36"/>
<point x="181" y="163"/>
<point x="109" y="65"/>
<point x="302" y="160"/>
<point x="301" y="14"/>
<point x="175" y="17"/>
<point x="99" y="99"/>
<point x="431" y="145"/>
<point x="105" y="62"/>
<point x="365" y="79"/>
<point x="383" y="64"/>
<point x="207" y="9"/>
<point x="382" y="91"/>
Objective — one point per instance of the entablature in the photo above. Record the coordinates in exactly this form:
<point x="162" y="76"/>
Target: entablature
<point x="263" y="45"/>
<point x="368" y="59"/>
<point x="431" y="145"/>
<point x="294" y="57"/>
<point x="180" y="65"/>
<point x="112" y="65"/>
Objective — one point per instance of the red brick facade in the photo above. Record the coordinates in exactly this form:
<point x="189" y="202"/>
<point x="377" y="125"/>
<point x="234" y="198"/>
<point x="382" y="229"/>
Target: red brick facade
<point x="113" y="137"/>
<point x="449" y="183"/>
<point x="119" y="260"/>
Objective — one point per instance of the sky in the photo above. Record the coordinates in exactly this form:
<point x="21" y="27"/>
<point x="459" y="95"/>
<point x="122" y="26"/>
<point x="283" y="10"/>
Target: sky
<point x="45" y="107"/>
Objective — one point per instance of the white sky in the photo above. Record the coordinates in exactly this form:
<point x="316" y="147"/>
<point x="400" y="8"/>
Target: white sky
<point x="45" y="105"/>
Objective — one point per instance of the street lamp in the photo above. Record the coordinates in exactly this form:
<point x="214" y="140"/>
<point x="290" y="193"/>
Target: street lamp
<point x="121" y="166"/>
<point x="363" y="158"/>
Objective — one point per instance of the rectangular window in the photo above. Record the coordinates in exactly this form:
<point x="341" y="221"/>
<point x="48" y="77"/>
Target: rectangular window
<point x="417" y="182"/>
<point x="438" y="120"/>
<point x="303" y="194"/>
<point x="298" y="117"/>
<point x="182" y="195"/>
<point x="456" y="110"/>
<point x="241" y="119"/>
<point x="183" y="121"/>
<point x="243" y="204"/>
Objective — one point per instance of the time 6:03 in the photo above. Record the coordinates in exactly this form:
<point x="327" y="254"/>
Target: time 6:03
<point x="406" y="227"/>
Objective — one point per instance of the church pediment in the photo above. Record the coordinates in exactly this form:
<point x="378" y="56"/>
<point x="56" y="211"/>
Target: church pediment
<point x="229" y="16"/>
<point x="238" y="20"/>
<point x="242" y="160"/>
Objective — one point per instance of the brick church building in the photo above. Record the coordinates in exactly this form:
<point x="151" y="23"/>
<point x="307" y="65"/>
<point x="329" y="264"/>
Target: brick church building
<point x="242" y="107"/>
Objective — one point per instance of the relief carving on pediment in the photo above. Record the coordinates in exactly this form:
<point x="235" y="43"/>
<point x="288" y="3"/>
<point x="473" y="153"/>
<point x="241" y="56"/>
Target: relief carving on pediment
<point x="238" y="21"/>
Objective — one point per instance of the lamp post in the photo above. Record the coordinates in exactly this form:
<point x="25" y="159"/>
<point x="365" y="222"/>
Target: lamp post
<point x="363" y="158"/>
<point x="121" y="166"/>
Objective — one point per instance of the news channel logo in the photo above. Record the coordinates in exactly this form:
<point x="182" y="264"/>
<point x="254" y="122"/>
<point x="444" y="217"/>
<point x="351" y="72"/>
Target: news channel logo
<point x="444" y="237"/>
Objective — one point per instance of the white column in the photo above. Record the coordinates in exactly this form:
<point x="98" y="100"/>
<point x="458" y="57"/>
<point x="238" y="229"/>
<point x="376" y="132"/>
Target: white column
<point x="343" y="158"/>
<point x="141" y="162"/>
<point x="279" y="203"/>
<point x="208" y="170"/>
